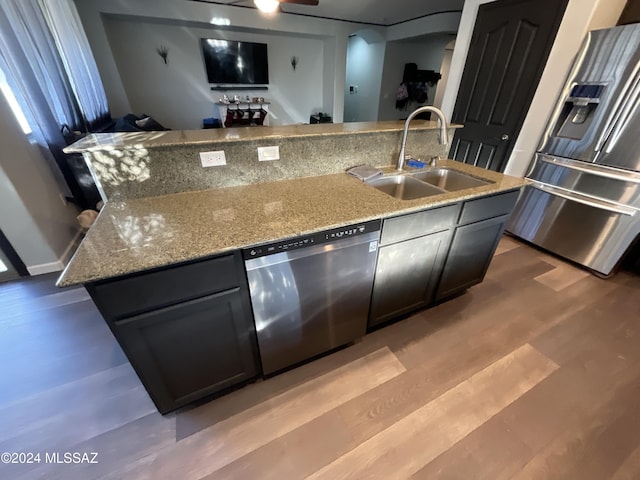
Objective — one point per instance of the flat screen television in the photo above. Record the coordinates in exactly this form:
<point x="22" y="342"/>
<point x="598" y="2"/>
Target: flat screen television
<point x="231" y="62"/>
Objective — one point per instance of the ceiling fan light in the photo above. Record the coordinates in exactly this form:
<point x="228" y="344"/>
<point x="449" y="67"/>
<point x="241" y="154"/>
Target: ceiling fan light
<point x="267" y="6"/>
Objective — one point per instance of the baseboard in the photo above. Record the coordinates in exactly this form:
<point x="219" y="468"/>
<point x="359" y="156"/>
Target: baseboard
<point x="71" y="248"/>
<point x="62" y="261"/>
<point x="45" y="268"/>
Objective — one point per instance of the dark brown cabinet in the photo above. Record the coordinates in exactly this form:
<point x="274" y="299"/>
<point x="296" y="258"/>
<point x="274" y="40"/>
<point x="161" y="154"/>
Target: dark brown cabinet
<point x="480" y="227"/>
<point x="631" y="13"/>
<point x="471" y="251"/>
<point x="430" y="255"/>
<point x="410" y="258"/>
<point x="184" y="348"/>
<point x="406" y="276"/>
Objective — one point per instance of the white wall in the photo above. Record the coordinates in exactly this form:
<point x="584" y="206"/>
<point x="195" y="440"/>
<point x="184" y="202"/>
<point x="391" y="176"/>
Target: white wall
<point x="40" y="228"/>
<point x="177" y="94"/>
<point x="426" y="52"/>
<point x="444" y="71"/>
<point x="189" y="14"/>
<point x="580" y="17"/>
<point x="437" y="23"/>
<point x="363" y="72"/>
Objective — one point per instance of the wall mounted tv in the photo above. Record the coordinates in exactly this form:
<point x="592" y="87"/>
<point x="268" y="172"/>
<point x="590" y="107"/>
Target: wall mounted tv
<point x="231" y="62"/>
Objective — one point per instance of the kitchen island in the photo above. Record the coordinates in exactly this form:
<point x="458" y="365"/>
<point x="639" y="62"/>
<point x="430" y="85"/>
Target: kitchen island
<point x="167" y="274"/>
<point x="138" y="234"/>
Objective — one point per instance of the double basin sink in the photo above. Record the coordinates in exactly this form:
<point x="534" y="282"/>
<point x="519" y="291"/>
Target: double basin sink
<point x="434" y="181"/>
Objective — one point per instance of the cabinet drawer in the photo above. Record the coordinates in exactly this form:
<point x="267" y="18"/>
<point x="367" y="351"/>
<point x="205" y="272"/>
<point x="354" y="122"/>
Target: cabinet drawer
<point x="488" y="207"/>
<point x="417" y="224"/>
<point x="149" y="290"/>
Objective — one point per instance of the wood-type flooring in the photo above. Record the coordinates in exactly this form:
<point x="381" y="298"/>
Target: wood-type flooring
<point x="533" y="374"/>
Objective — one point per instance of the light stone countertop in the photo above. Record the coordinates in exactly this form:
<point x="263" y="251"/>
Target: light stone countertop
<point x="135" y="235"/>
<point x="173" y="138"/>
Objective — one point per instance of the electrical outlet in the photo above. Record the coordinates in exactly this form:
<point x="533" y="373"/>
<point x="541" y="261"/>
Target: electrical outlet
<point x="266" y="154"/>
<point x="213" y="159"/>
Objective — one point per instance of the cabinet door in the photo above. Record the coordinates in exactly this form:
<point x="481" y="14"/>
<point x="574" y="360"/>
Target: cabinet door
<point x="471" y="251"/>
<point x="406" y="275"/>
<point x="192" y="349"/>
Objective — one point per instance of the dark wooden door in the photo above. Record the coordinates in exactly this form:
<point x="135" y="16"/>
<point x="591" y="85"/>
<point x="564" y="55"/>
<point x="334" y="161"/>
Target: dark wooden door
<point x="631" y="13"/>
<point x="509" y="48"/>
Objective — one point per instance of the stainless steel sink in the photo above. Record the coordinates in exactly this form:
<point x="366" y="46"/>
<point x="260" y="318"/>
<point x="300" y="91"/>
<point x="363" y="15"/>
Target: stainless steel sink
<point x="404" y="188"/>
<point x="449" y="180"/>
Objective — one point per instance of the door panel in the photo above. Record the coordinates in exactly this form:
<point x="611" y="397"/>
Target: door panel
<point x="523" y="44"/>
<point x="311" y="300"/>
<point x="487" y="66"/>
<point x="486" y="155"/>
<point x="192" y="349"/>
<point x="622" y="149"/>
<point x="460" y="150"/>
<point x="406" y="275"/>
<point x="470" y="254"/>
<point x="617" y="186"/>
<point x="573" y="229"/>
<point x="509" y="48"/>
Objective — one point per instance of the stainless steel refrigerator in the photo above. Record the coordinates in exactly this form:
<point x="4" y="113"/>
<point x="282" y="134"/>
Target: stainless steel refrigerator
<point x="583" y="202"/>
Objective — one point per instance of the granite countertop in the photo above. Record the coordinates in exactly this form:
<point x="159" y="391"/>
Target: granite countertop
<point x="172" y="138"/>
<point x="139" y="234"/>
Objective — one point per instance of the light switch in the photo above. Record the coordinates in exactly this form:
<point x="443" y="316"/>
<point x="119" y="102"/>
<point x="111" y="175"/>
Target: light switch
<point x="266" y="154"/>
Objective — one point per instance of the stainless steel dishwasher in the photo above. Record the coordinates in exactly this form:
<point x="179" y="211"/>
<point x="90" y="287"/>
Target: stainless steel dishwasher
<point x="311" y="294"/>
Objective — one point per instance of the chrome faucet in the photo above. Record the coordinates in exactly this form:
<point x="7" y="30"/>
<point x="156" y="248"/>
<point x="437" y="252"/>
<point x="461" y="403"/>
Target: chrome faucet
<point x="444" y="137"/>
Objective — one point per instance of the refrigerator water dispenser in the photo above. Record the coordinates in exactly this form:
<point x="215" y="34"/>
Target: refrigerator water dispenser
<point x="578" y="111"/>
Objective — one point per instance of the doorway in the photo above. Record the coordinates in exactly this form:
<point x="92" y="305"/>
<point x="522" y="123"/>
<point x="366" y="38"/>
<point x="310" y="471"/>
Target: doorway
<point x="365" y="58"/>
<point x="509" y="48"/>
<point x="11" y="267"/>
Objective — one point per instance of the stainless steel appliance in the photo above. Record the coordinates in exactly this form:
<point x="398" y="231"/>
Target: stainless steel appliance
<point x="312" y="293"/>
<point x="584" y="200"/>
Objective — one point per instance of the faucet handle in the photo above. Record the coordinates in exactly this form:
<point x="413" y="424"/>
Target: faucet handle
<point x="433" y="160"/>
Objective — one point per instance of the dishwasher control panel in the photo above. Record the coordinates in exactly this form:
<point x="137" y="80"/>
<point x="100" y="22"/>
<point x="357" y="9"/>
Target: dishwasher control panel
<point x="327" y="236"/>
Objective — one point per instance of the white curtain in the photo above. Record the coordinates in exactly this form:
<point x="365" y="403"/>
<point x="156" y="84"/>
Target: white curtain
<point x="49" y="66"/>
<point x="66" y="27"/>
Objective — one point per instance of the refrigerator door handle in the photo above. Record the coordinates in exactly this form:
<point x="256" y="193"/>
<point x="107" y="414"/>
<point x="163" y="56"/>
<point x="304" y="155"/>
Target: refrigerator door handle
<point x="593" y="169"/>
<point x="619" y="111"/>
<point x="584" y="199"/>
<point x="632" y="102"/>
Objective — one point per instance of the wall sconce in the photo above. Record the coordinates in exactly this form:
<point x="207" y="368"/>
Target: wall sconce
<point x="294" y="62"/>
<point x="163" y="52"/>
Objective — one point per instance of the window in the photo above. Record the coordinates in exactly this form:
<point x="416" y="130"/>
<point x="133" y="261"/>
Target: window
<point x="13" y="103"/>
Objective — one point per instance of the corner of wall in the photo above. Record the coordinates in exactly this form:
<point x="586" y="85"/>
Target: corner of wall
<point x="61" y="263"/>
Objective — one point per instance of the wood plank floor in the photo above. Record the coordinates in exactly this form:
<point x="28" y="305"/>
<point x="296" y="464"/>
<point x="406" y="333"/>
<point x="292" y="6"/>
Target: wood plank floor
<point x="534" y="374"/>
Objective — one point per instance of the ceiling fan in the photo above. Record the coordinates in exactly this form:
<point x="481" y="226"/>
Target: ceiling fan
<point x="270" y="6"/>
